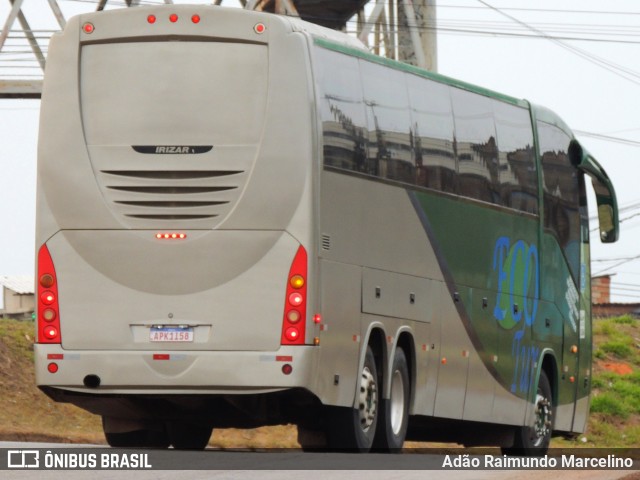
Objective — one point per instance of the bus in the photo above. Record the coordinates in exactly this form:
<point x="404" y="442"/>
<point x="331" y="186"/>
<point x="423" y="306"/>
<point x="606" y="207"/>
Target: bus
<point x="244" y="219"/>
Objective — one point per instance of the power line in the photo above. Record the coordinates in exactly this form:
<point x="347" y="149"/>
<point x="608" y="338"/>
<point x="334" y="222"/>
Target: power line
<point x="631" y="259"/>
<point x="544" y="10"/>
<point x="611" y="67"/>
<point x="608" y="138"/>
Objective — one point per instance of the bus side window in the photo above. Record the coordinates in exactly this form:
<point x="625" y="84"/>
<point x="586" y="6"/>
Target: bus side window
<point x="341" y="110"/>
<point x="432" y="134"/>
<point x="517" y="172"/>
<point x="476" y="146"/>
<point x="390" y="142"/>
<point x="561" y="193"/>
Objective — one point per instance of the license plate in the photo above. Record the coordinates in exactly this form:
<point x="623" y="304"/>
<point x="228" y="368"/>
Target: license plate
<point x="171" y="334"/>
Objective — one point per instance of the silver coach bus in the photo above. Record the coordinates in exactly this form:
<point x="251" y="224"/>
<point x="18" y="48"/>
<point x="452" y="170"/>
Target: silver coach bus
<point x="244" y="219"/>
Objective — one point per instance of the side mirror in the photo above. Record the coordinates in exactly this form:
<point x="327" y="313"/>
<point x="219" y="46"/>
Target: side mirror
<point x="605" y="193"/>
<point x="606" y="218"/>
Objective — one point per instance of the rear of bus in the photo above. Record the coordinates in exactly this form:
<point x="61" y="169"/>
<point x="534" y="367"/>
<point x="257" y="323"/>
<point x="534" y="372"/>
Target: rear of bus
<point x="174" y="236"/>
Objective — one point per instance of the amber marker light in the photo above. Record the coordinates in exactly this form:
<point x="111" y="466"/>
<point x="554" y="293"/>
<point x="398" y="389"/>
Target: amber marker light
<point x="297" y="281"/>
<point x="46" y="280"/>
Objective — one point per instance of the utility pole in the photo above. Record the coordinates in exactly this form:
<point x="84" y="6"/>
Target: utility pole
<point x="400" y="29"/>
<point x="417" y="41"/>
<point x="403" y="30"/>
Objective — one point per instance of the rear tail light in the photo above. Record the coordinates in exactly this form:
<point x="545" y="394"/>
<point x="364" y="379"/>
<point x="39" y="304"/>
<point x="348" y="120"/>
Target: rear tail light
<point x="295" y="304"/>
<point x="48" y="310"/>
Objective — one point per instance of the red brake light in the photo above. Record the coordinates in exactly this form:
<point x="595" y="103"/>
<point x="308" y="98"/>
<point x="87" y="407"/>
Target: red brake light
<point x="48" y="309"/>
<point x="295" y="305"/>
<point x="292" y="334"/>
<point x="50" y="332"/>
<point x="47" y="298"/>
<point x="296" y="299"/>
<point x="171" y="235"/>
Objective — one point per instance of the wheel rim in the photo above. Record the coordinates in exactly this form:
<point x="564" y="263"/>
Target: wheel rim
<point x="542" y="426"/>
<point x="368" y="400"/>
<point x="397" y="402"/>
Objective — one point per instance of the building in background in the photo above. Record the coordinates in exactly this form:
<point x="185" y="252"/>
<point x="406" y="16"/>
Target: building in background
<point x="18" y="299"/>
<point x="601" y="300"/>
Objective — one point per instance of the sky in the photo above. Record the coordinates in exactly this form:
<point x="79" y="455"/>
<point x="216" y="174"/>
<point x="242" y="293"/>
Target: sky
<point x="580" y="58"/>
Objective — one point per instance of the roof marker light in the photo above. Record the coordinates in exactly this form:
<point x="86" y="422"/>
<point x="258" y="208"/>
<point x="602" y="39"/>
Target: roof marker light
<point x="151" y="19"/>
<point x="88" y="27"/>
<point x="173" y="18"/>
<point x="260" y="28"/>
<point x="195" y="18"/>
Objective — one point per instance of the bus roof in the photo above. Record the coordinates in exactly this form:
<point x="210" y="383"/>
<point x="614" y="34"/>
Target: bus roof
<point x="348" y="49"/>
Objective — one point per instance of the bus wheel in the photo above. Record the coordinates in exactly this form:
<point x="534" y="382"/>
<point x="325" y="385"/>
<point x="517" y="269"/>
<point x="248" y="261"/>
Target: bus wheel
<point x="354" y="428"/>
<point x="189" y="436"/>
<point x="142" y="438"/>
<point x="394" y="414"/>
<point x="534" y="440"/>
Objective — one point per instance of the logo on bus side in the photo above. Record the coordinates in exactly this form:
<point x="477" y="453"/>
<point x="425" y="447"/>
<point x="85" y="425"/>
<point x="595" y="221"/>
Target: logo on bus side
<point x="516" y="266"/>
<point x="172" y="149"/>
<point x="517" y="271"/>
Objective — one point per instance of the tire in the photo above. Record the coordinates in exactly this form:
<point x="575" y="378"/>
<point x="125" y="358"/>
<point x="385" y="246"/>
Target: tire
<point x="353" y="429"/>
<point x="142" y="438"/>
<point x="533" y="441"/>
<point x="189" y="436"/>
<point x="394" y="414"/>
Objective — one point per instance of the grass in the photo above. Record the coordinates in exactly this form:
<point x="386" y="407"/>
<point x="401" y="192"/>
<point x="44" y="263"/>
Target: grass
<point x="615" y="397"/>
<point x="27" y="414"/>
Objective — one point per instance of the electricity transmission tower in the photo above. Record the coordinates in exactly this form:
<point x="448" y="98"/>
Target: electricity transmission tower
<point x="400" y="29"/>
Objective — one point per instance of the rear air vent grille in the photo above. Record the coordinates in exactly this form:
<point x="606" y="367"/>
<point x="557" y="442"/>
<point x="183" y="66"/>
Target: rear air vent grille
<point x="326" y="242"/>
<point x="172" y="174"/>
<point x="172" y="190"/>
<point x="168" y="217"/>
<point x="163" y="204"/>
<point x="151" y="198"/>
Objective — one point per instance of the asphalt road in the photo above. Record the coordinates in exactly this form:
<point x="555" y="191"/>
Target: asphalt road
<point x="215" y="464"/>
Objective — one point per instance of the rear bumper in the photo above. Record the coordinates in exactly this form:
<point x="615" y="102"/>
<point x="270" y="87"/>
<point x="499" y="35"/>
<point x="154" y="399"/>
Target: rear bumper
<point x="177" y="372"/>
